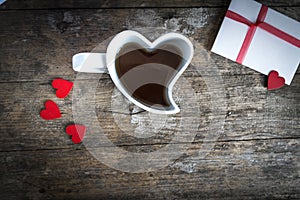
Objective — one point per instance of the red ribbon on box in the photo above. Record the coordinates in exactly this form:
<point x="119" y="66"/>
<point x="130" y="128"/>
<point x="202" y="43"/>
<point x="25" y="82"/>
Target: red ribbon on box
<point x="252" y="29"/>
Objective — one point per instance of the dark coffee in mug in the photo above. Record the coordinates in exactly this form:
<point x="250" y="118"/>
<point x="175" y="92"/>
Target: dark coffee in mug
<point x="146" y="73"/>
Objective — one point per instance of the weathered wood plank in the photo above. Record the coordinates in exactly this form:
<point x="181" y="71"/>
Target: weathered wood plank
<point x="39" y="44"/>
<point x="235" y="170"/>
<point x="35" y="4"/>
<point x="250" y="112"/>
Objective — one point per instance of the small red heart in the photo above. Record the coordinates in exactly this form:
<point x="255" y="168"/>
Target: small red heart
<point x="275" y="81"/>
<point x="51" y="111"/>
<point x="63" y="87"/>
<point x="77" y="132"/>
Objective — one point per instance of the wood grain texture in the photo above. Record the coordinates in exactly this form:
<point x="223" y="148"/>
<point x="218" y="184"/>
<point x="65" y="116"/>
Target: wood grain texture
<point x="43" y="42"/>
<point x="79" y="4"/>
<point x="255" y="155"/>
<point x="235" y="170"/>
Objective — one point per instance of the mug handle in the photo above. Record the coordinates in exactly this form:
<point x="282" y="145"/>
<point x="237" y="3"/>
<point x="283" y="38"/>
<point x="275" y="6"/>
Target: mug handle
<point x="90" y="62"/>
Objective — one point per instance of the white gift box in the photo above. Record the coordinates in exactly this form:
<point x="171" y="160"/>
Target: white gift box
<point x="260" y="38"/>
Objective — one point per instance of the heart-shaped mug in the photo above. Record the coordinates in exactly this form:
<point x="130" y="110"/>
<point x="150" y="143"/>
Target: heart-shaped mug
<point x="145" y="72"/>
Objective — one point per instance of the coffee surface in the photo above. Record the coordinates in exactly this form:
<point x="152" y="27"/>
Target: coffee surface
<point x="146" y="73"/>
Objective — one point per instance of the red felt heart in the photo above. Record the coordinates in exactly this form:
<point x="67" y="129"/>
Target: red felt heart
<point x="77" y="132"/>
<point x="51" y="111"/>
<point x="275" y="81"/>
<point x="63" y="87"/>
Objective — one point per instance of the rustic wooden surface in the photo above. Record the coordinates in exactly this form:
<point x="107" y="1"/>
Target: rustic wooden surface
<point x="256" y="154"/>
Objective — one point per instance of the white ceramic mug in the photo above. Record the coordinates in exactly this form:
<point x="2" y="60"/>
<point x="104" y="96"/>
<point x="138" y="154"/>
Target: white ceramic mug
<point x="105" y="63"/>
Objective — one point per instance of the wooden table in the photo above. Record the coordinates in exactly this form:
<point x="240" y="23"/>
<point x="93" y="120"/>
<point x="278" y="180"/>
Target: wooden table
<point x="247" y="139"/>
